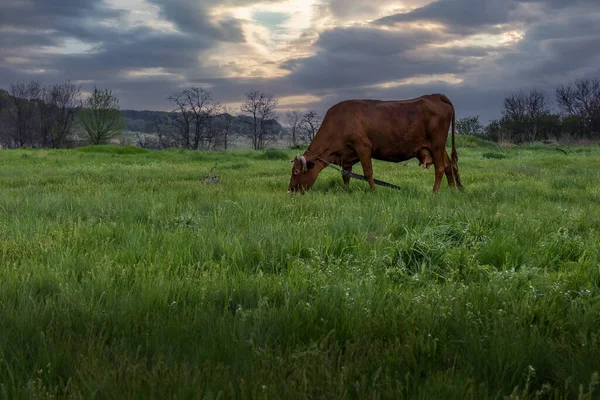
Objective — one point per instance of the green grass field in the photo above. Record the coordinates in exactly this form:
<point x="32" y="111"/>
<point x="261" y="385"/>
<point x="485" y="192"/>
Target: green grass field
<point x="124" y="275"/>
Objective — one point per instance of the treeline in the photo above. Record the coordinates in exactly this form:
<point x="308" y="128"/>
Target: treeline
<point x="59" y="116"/>
<point x="529" y="116"/>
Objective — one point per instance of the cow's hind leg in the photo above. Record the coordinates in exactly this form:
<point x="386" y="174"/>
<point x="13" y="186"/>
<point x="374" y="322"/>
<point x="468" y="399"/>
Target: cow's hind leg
<point x="449" y="170"/>
<point x="456" y="174"/>
<point x="440" y="167"/>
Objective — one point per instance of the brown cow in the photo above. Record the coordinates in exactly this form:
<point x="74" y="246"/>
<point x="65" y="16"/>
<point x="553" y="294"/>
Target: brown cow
<point x="359" y="130"/>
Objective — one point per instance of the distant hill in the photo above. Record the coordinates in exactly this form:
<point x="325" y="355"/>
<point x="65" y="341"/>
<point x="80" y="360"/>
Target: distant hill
<point x="145" y="121"/>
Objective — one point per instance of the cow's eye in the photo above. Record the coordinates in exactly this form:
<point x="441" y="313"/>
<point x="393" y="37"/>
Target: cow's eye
<point x="296" y="172"/>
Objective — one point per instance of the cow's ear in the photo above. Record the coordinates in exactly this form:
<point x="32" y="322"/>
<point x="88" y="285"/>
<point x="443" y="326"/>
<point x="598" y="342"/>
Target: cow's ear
<point x="310" y="165"/>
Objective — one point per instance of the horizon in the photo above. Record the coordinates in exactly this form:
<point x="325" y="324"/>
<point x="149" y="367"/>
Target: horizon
<point x="308" y="56"/>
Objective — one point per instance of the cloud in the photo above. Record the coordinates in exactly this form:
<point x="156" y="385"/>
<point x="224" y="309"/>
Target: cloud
<point x="190" y="16"/>
<point x="560" y="47"/>
<point x="460" y="16"/>
<point x="316" y="53"/>
<point x="56" y="18"/>
<point x="361" y="56"/>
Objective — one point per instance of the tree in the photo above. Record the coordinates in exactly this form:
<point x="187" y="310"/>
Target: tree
<point x="294" y="123"/>
<point x="261" y="109"/>
<point x="203" y="109"/>
<point x="524" y="114"/>
<point x="160" y="126"/>
<point x="224" y="128"/>
<point x="570" y="126"/>
<point x="25" y="98"/>
<point x="181" y="119"/>
<point x="194" y="108"/>
<point x="5" y="138"/>
<point x="311" y="122"/>
<point x="58" y="108"/>
<point x="100" y="117"/>
<point x="581" y="99"/>
<point x="469" y="126"/>
<point x="4" y="125"/>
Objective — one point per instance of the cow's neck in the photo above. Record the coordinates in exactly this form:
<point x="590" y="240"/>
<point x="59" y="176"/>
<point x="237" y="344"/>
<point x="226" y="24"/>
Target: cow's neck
<point x="320" y="156"/>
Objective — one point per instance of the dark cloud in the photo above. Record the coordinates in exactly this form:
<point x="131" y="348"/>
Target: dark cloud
<point x="172" y="51"/>
<point x="562" y="3"/>
<point x="371" y="42"/>
<point x="560" y="47"/>
<point x="50" y="14"/>
<point x="190" y="16"/>
<point x="12" y="41"/>
<point x="56" y="18"/>
<point x="461" y="16"/>
<point x="366" y="56"/>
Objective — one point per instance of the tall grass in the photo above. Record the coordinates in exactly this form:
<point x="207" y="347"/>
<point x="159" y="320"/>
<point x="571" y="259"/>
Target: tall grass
<point x="124" y="275"/>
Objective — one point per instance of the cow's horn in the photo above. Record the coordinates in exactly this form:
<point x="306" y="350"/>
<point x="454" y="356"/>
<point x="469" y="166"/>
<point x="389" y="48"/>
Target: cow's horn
<point x="303" y="160"/>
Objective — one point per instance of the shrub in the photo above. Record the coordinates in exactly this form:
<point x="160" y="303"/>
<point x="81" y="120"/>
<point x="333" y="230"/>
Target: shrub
<point x="497" y="156"/>
<point x="274" y="154"/>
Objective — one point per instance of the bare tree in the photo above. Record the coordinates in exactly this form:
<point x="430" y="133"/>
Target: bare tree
<point x="537" y="108"/>
<point x="160" y="127"/>
<point x="261" y="108"/>
<point x="224" y="126"/>
<point x="194" y="109"/>
<point x="100" y="117"/>
<point x="524" y="115"/>
<point x="294" y="123"/>
<point x="203" y="109"/>
<point x="581" y="99"/>
<point x="5" y="139"/>
<point x="57" y="113"/>
<point x="5" y="129"/>
<point x="181" y="119"/>
<point x="311" y="122"/>
<point x="25" y="98"/>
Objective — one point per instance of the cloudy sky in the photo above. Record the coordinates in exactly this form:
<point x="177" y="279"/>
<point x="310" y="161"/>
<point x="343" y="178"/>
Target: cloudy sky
<point x="309" y="53"/>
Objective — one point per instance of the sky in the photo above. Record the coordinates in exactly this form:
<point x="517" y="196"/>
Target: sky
<point x="310" y="54"/>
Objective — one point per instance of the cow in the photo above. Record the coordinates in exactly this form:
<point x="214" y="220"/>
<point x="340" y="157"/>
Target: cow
<point x="361" y="130"/>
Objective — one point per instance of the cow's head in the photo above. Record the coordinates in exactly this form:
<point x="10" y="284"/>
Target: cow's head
<point x="304" y="174"/>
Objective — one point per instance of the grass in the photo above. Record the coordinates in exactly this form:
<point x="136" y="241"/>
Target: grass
<point x="123" y="275"/>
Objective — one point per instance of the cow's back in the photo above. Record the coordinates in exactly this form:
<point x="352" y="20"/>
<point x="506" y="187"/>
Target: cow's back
<point x="395" y="129"/>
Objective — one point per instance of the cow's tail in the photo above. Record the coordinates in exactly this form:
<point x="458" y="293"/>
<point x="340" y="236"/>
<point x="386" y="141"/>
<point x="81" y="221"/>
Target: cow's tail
<point x="454" y="153"/>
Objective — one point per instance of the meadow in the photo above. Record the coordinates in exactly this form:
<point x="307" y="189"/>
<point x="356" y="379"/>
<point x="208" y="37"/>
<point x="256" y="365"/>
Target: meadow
<point x="124" y="274"/>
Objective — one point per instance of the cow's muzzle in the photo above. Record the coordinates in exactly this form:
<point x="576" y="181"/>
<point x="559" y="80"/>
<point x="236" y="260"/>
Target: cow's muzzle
<point x="294" y="189"/>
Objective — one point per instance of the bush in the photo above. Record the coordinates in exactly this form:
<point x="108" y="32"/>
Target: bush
<point x="497" y="156"/>
<point x="274" y="154"/>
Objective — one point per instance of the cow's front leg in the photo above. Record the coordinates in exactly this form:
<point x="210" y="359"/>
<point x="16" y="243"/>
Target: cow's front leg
<point x="364" y="154"/>
<point x="346" y="178"/>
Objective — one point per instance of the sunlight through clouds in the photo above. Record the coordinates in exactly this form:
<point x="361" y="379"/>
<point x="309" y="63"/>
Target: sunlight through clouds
<point x="419" y="80"/>
<point x="268" y="29"/>
<point x="308" y="53"/>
